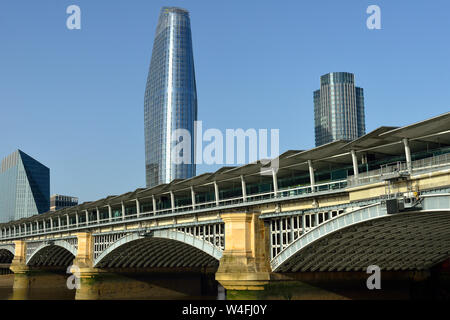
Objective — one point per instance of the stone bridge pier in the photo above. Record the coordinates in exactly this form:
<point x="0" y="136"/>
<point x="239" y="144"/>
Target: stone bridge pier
<point x="244" y="265"/>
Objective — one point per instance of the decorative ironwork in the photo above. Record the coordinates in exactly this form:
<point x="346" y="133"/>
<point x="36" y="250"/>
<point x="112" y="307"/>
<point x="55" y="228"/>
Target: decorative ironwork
<point x="212" y="233"/>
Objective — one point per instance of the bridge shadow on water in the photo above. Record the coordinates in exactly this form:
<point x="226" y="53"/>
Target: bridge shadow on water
<point x="167" y="286"/>
<point x="432" y="284"/>
<point x="111" y="286"/>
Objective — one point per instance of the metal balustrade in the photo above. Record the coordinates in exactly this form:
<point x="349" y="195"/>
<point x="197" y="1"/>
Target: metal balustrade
<point x="400" y="168"/>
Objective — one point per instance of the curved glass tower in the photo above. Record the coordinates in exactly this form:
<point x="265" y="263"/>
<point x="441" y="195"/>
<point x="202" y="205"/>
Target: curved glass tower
<point x="170" y="98"/>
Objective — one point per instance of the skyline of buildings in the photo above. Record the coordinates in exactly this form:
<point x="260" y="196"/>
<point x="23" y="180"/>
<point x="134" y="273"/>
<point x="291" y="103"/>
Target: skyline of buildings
<point x="24" y="187"/>
<point x="338" y="109"/>
<point x="170" y="101"/>
<point x="337" y="85"/>
<point x="121" y="74"/>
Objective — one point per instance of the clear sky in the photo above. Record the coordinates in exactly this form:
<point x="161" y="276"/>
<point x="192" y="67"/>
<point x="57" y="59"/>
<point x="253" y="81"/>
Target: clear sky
<point x="73" y="99"/>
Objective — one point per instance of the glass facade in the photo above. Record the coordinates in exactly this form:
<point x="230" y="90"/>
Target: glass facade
<point x="170" y="98"/>
<point x="24" y="187"/>
<point x="58" y="201"/>
<point x="338" y="109"/>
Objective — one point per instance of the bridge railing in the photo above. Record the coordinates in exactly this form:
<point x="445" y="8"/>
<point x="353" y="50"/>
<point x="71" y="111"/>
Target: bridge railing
<point x="385" y="171"/>
<point x="431" y="162"/>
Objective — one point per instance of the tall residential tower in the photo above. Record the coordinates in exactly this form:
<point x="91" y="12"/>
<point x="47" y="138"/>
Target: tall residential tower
<point x="24" y="187"/>
<point x="338" y="108"/>
<point x="170" y="98"/>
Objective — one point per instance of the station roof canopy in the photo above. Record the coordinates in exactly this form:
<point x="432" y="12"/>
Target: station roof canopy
<point x="385" y="141"/>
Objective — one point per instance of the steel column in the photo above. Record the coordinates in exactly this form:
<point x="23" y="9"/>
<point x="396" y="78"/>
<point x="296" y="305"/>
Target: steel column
<point x="355" y="165"/>
<point x="193" y="197"/>
<point x="216" y="192"/>
<point x="311" y="175"/>
<point x="244" y="189"/>
<point x="407" y="154"/>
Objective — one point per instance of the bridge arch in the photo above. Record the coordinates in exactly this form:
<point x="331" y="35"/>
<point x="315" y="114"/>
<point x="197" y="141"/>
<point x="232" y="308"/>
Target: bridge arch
<point x="52" y="253"/>
<point x="8" y="247"/>
<point x="6" y="253"/>
<point x="412" y="240"/>
<point x="160" y="248"/>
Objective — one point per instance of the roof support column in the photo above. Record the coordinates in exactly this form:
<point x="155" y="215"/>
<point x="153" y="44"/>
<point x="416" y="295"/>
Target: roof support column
<point x="77" y="218"/>
<point x="138" y="208"/>
<point x="59" y="223"/>
<point x="193" y="197"/>
<point x="87" y="217"/>
<point x="154" y="205"/>
<point x="51" y="224"/>
<point x="216" y="192"/>
<point x="98" y="215"/>
<point x="109" y="213"/>
<point x="355" y="165"/>
<point x="123" y="210"/>
<point x="244" y="189"/>
<point x="407" y="154"/>
<point x="364" y="158"/>
<point x="43" y="224"/>
<point x="311" y="175"/>
<point x="275" y="182"/>
<point x="172" y="201"/>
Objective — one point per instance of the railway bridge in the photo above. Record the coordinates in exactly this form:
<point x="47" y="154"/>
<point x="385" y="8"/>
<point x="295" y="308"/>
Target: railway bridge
<point x="332" y="211"/>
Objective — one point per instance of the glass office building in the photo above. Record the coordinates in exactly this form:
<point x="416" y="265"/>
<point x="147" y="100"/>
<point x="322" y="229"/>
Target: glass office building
<point x="338" y="108"/>
<point x="170" y="98"/>
<point x="58" y="201"/>
<point x="24" y="187"/>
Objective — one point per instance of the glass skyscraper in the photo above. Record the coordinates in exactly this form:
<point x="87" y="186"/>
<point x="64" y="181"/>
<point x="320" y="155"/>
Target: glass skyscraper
<point x="24" y="187"/>
<point x="170" y="98"/>
<point x="338" y="108"/>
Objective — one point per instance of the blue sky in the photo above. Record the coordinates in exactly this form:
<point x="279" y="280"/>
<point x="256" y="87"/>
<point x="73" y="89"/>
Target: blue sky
<point x="73" y="99"/>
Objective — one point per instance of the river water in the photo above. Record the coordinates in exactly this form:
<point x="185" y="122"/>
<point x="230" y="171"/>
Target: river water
<point x="166" y="287"/>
